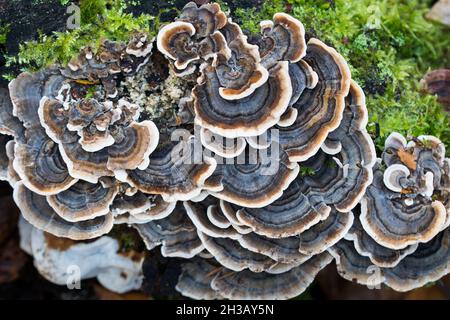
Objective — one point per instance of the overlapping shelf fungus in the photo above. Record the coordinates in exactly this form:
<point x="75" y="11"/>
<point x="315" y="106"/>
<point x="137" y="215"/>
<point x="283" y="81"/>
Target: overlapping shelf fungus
<point x="245" y="155"/>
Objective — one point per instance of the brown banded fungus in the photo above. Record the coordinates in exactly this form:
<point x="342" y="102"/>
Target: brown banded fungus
<point x="189" y="39"/>
<point x="204" y="279"/>
<point x="72" y="127"/>
<point x="269" y="227"/>
<point x="428" y="263"/>
<point x="89" y="132"/>
<point x="176" y="234"/>
<point x="401" y="238"/>
<point x="399" y="208"/>
<point x="174" y="172"/>
<point x="9" y="125"/>
<point x="37" y="211"/>
<point x="246" y="155"/>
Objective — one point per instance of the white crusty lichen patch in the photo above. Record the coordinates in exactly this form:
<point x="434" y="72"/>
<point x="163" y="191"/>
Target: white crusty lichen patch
<point x="159" y="99"/>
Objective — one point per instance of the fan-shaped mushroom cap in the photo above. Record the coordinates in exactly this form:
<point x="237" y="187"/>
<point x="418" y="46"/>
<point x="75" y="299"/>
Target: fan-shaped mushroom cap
<point x="378" y="255"/>
<point x="326" y="233"/>
<point x="284" y="250"/>
<point x="230" y="254"/>
<point x="175" y="41"/>
<point x="357" y="154"/>
<point x="332" y="183"/>
<point x="159" y="210"/>
<point x="340" y="180"/>
<point x="428" y="263"/>
<point x="53" y="119"/>
<point x="393" y="175"/>
<point x="83" y="201"/>
<point x="133" y="203"/>
<point x="139" y="45"/>
<point x="289" y="215"/>
<point x="249" y="116"/>
<point x="96" y="140"/>
<point x="27" y="90"/>
<point x="80" y="113"/>
<point x="397" y="222"/>
<point x="302" y="77"/>
<point x="195" y="280"/>
<point x="186" y="110"/>
<point x="39" y="164"/>
<point x="354" y="267"/>
<point x="11" y="175"/>
<point x="251" y="285"/>
<point x="237" y="65"/>
<point x="320" y="108"/>
<point x="141" y="208"/>
<point x="200" y="213"/>
<point x="425" y="153"/>
<point x="127" y="148"/>
<point x="394" y="141"/>
<point x="206" y="19"/>
<point x="55" y="259"/>
<point x="254" y="184"/>
<point x="217" y="217"/>
<point x="229" y="210"/>
<point x="283" y="39"/>
<point x="138" y="141"/>
<point x="87" y="166"/>
<point x="288" y="118"/>
<point x="224" y="147"/>
<point x="36" y="210"/>
<point x="176" y="234"/>
<point x="263" y="141"/>
<point x="9" y="124"/>
<point x="173" y="172"/>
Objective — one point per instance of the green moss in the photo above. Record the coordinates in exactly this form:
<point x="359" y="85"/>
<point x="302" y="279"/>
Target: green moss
<point x="306" y="171"/>
<point x="4" y="30"/>
<point x="91" y="10"/>
<point x="101" y="19"/>
<point x="389" y="46"/>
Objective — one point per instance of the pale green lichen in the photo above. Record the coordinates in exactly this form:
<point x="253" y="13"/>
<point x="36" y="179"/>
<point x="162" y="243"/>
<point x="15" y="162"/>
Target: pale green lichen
<point x="159" y="100"/>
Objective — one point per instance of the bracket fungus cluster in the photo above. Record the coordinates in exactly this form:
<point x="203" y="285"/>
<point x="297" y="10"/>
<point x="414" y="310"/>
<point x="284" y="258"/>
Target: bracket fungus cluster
<point x="245" y="156"/>
<point x="266" y="108"/>
<point x="401" y="237"/>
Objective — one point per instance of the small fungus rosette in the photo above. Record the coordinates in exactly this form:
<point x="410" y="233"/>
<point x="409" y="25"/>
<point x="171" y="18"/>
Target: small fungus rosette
<point x="401" y="236"/>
